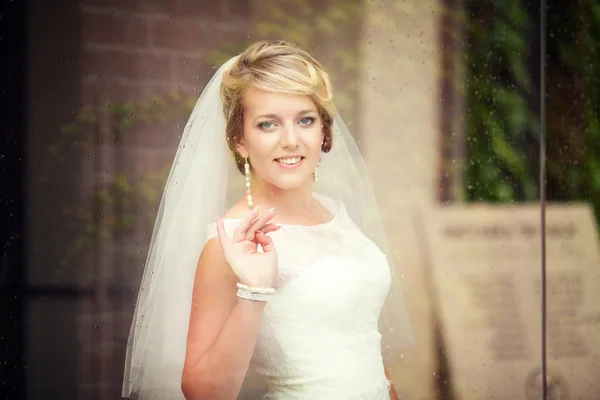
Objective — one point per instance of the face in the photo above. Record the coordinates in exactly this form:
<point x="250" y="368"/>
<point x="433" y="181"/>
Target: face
<point x="282" y="138"/>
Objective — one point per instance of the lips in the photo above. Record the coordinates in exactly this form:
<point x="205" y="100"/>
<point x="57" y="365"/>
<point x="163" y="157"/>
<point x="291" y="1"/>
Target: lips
<point x="290" y="160"/>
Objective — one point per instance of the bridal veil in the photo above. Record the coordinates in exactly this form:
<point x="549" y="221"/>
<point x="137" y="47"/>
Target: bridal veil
<point x="203" y="183"/>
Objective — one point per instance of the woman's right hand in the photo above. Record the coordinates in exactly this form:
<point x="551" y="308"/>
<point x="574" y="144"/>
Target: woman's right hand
<point x="252" y="268"/>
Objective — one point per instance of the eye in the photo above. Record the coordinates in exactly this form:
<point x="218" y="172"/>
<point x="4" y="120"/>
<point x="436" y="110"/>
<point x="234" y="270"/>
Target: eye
<point x="266" y="125"/>
<point x="307" y="120"/>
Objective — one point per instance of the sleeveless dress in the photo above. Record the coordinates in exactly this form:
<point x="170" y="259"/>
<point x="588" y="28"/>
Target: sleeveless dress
<point x="318" y="337"/>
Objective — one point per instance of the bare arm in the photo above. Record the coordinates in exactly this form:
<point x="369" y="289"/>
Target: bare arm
<point x="223" y="328"/>
<point x="222" y="333"/>
<point x="393" y="394"/>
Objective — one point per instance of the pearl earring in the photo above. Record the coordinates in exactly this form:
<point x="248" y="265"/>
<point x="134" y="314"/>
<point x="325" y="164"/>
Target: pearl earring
<point x="316" y="171"/>
<point x="248" y="181"/>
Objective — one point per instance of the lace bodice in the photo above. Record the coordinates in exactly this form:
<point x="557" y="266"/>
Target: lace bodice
<point x="318" y="338"/>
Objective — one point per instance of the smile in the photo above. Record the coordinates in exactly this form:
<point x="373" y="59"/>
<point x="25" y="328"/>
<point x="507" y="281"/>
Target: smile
<point x="289" y="162"/>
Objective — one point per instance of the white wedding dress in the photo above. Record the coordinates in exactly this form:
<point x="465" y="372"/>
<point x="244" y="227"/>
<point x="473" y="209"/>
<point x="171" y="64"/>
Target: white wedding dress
<point x="319" y="338"/>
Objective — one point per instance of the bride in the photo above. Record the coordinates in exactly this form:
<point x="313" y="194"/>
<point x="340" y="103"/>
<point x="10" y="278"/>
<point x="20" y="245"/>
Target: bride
<point x="289" y="293"/>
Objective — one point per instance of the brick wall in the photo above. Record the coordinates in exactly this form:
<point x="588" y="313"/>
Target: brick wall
<point x="138" y="48"/>
<point x="132" y="50"/>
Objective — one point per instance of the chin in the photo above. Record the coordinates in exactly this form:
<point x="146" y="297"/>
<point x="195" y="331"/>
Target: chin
<point x="291" y="183"/>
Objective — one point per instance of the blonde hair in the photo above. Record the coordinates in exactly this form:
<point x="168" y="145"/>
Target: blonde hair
<point x="276" y="66"/>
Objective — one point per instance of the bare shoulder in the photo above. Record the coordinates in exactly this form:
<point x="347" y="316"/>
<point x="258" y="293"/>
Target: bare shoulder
<point x="212" y="254"/>
<point x="212" y="261"/>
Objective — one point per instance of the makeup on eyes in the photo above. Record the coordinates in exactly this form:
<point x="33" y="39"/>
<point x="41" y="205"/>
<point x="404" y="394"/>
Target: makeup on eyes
<point x="274" y="122"/>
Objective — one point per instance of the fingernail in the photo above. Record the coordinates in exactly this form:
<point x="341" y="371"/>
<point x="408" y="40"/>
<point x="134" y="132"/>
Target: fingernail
<point x="271" y="210"/>
<point x="256" y="209"/>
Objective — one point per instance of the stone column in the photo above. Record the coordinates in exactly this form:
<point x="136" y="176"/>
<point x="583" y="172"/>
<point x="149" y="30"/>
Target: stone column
<point x="400" y="118"/>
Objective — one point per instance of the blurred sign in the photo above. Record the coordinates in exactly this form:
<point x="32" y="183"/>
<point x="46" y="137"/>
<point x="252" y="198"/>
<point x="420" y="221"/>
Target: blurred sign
<point x="486" y="268"/>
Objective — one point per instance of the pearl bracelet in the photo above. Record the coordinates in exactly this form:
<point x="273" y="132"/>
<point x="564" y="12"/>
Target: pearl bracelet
<point x="252" y="293"/>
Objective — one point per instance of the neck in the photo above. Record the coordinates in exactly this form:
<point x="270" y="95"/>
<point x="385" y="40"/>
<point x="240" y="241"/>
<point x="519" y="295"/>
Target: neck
<point x="285" y="201"/>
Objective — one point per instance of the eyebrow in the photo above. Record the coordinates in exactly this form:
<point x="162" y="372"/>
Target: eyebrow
<point x="303" y="112"/>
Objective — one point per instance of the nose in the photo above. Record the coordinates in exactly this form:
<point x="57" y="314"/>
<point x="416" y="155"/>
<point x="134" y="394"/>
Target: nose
<point x="289" y="137"/>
